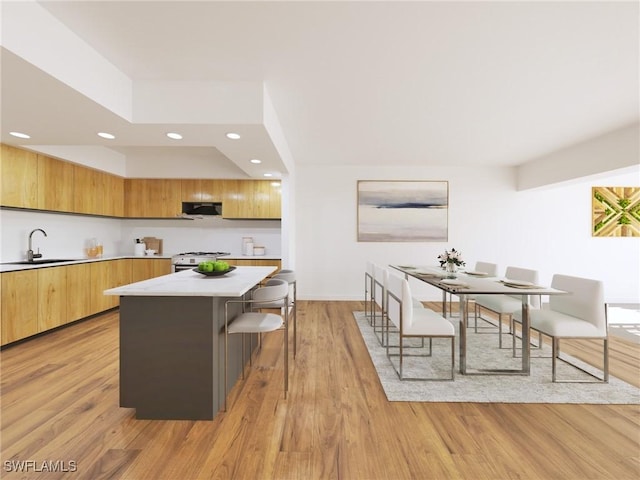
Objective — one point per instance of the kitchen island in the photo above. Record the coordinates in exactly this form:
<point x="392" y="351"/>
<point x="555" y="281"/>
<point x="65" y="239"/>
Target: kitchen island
<point x="172" y="342"/>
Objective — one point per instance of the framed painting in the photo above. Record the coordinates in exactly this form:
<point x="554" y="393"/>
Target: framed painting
<point x="403" y="211"/>
<point x="615" y="211"/>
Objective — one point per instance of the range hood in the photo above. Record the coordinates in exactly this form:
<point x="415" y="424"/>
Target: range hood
<point x="200" y="208"/>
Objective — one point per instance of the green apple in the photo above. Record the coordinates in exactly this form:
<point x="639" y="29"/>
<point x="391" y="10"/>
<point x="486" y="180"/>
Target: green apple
<point x="220" y="266"/>
<point x="205" y="266"/>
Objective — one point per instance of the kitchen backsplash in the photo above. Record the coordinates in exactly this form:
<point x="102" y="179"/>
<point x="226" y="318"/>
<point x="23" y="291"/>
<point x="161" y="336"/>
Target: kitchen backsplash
<point x="67" y="235"/>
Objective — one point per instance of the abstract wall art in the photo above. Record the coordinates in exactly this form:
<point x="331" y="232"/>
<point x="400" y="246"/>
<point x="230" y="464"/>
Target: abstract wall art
<point x="403" y="211"/>
<point x="615" y="211"/>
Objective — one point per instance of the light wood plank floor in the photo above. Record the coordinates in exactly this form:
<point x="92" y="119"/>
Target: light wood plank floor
<point x="60" y="403"/>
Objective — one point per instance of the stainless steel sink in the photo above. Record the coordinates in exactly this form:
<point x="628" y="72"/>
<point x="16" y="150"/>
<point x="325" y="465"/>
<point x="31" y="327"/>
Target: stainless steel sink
<point x="40" y="261"/>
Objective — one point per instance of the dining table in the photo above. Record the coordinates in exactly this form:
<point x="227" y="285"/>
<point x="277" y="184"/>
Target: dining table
<point x="465" y="284"/>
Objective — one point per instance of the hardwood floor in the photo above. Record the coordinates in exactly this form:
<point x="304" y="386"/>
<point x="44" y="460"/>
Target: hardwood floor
<point x="60" y="403"/>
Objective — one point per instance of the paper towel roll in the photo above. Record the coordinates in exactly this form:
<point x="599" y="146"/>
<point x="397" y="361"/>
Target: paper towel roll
<point x="139" y="249"/>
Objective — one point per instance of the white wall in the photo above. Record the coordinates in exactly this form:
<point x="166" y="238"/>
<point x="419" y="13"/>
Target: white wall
<point x="67" y="235"/>
<point x="548" y="230"/>
<point x="211" y="234"/>
<point x="616" y="150"/>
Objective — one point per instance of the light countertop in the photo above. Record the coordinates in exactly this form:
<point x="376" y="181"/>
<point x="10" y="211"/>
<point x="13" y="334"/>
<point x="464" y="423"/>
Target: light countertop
<point x="188" y="283"/>
<point x="250" y="257"/>
<point x="8" y="267"/>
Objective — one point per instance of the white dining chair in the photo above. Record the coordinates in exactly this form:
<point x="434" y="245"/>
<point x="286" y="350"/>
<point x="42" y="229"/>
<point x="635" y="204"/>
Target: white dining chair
<point x="580" y="314"/>
<point x="489" y="270"/>
<point x="380" y="276"/>
<point x="414" y="322"/>
<point x="368" y="291"/>
<point x="506" y="305"/>
<point x="258" y="322"/>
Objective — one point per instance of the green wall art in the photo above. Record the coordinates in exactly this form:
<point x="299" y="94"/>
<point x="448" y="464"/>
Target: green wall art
<point x="615" y="211"/>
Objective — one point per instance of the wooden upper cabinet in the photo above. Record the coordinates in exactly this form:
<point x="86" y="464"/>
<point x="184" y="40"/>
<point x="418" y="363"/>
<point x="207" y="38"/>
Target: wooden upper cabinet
<point x="251" y="199"/>
<point x="115" y="195"/>
<point x="19" y="169"/>
<point x="206" y="190"/>
<point x="98" y="192"/>
<point x="89" y="190"/>
<point x="152" y="198"/>
<point x="55" y="184"/>
<point x="235" y="199"/>
<point x="267" y="198"/>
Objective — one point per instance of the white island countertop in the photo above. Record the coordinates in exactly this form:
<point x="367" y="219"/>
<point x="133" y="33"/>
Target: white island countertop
<point x="188" y="283"/>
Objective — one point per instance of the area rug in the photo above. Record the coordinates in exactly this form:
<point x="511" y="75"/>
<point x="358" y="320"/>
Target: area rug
<point x="625" y="322"/>
<point x="483" y="352"/>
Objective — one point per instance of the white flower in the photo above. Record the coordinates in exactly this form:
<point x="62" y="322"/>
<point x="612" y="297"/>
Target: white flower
<point x="454" y="256"/>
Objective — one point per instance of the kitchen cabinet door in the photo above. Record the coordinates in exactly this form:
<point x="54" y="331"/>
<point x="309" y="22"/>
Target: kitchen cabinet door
<point x="78" y="291"/>
<point x="89" y="195"/>
<point x="19" y="307"/>
<point x="141" y="269"/>
<point x="161" y="266"/>
<point x="19" y="187"/>
<point x="259" y="199"/>
<point x="114" y="195"/>
<point x="152" y="198"/>
<point x="101" y="281"/>
<point x="202" y="190"/>
<point x="266" y="199"/>
<point x="52" y="297"/>
<point x="236" y="199"/>
<point x="145" y="268"/>
<point x="120" y="275"/>
<point x="55" y="185"/>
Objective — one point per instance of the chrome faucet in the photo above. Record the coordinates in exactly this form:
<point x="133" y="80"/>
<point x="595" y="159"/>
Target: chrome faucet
<point x="30" y="254"/>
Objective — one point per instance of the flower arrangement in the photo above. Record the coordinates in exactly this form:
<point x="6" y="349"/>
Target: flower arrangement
<point x="451" y="257"/>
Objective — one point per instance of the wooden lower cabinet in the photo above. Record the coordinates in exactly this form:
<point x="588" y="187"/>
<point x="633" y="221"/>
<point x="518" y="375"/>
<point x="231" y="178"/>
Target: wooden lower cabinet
<point x="106" y="275"/>
<point x="34" y="301"/>
<point x="78" y="291"/>
<point x="254" y="262"/>
<point x="51" y="297"/>
<point x="146" y="268"/>
<point x="19" y="308"/>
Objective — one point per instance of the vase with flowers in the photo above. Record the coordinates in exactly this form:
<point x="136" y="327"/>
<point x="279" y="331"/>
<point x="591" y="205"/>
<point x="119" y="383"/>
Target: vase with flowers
<point x="450" y="261"/>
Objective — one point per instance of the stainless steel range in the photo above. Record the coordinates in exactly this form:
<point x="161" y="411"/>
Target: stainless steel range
<point x="189" y="260"/>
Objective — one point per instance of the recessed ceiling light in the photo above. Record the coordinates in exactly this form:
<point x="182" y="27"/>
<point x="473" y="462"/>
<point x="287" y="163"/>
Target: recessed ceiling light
<point x="19" y="134"/>
<point x="268" y="174"/>
<point x="106" y="135"/>
<point x="255" y="160"/>
<point x="233" y="136"/>
<point x="174" y="136"/>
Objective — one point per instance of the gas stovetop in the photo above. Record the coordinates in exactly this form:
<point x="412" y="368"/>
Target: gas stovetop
<point x="190" y="258"/>
<point x="202" y="254"/>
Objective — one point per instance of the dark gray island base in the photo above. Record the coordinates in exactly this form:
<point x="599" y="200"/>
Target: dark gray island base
<point x="172" y="356"/>
<point x="172" y="342"/>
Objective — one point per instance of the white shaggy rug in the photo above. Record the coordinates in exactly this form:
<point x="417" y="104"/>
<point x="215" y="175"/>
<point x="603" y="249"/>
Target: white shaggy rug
<point x="483" y="352"/>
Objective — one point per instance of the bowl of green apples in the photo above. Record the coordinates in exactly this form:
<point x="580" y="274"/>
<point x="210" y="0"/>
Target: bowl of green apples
<point x="214" y="269"/>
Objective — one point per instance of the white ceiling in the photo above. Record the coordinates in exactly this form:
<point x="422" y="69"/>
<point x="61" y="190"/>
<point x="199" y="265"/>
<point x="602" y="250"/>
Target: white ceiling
<point x="352" y="83"/>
